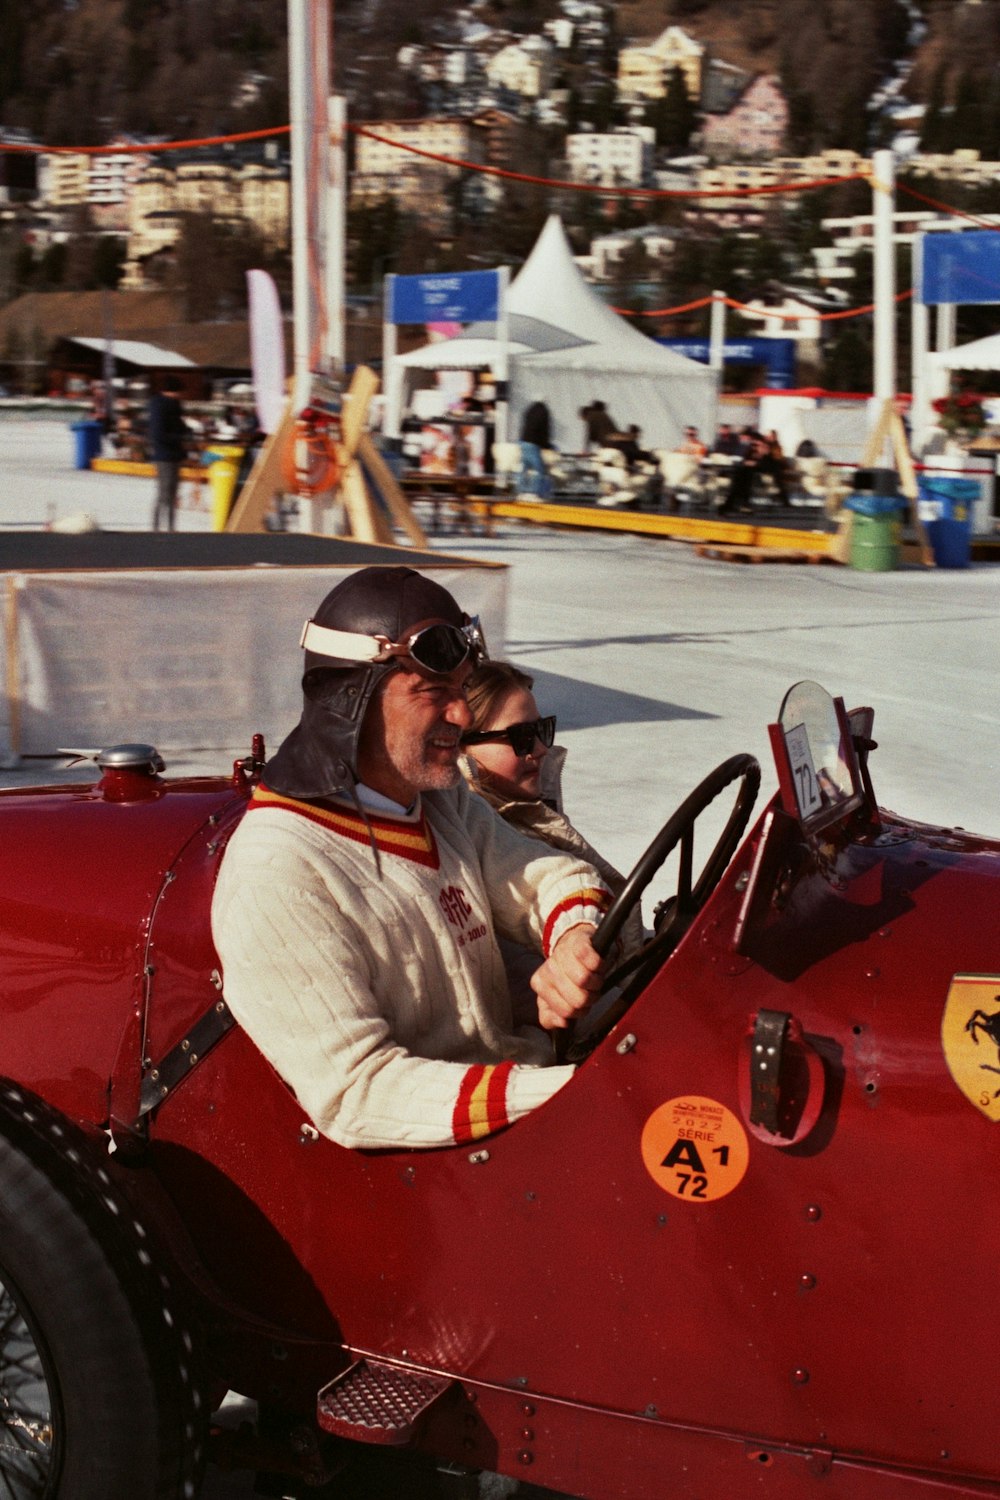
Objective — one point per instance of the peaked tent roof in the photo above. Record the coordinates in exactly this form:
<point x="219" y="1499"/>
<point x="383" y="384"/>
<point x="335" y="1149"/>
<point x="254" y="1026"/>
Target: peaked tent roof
<point x="982" y="354"/>
<point x="550" y="286"/>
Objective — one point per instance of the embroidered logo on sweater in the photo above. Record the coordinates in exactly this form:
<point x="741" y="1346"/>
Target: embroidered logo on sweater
<point x="414" y="841"/>
<point x="453" y="903"/>
<point x="481" y="1106"/>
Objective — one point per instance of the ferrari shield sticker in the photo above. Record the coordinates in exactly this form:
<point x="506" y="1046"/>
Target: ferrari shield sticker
<point x="970" y="1037"/>
<point x="695" y="1148"/>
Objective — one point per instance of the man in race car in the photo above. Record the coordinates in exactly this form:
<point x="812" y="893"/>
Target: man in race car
<point x="358" y="902"/>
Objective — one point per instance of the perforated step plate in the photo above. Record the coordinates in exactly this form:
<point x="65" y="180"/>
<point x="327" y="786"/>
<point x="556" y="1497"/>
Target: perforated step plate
<point x="378" y="1403"/>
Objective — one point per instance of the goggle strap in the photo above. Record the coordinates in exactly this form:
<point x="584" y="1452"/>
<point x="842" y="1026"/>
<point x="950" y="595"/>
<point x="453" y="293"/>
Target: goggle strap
<point x="341" y="643"/>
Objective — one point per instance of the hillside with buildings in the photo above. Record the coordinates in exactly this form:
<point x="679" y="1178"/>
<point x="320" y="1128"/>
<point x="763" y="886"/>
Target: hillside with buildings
<point x="702" y="107"/>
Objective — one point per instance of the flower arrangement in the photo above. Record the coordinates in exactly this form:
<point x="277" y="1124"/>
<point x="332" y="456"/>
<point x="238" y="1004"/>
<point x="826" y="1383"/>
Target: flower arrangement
<point x="960" y="412"/>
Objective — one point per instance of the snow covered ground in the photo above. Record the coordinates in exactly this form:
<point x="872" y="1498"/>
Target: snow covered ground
<point x="660" y="664"/>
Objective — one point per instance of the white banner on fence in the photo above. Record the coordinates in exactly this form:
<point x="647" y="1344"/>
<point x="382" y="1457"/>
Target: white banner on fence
<point x="185" y="660"/>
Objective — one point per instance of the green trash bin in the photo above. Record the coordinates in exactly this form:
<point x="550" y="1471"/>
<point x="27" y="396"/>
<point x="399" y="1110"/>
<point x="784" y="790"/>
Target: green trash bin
<point x="874" y="532"/>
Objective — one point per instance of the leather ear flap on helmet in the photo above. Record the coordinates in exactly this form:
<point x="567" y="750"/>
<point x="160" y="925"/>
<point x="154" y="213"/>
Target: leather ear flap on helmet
<point x="343" y="694"/>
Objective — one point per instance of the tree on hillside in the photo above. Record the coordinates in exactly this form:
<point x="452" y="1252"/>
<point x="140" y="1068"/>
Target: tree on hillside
<point x="674" y="116"/>
<point x="209" y="265"/>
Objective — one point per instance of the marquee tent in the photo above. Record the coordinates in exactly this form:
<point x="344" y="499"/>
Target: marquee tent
<point x="982" y="354"/>
<point x="566" y="347"/>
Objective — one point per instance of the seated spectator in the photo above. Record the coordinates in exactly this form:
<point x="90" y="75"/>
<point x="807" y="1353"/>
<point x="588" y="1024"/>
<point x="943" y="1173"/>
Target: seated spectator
<point x="600" y="425"/>
<point x="692" y="443"/>
<point x="511" y="761"/>
<point x="774" y="463"/>
<point x="727" y="441"/>
<point x="640" y="460"/>
<point x="754" y="450"/>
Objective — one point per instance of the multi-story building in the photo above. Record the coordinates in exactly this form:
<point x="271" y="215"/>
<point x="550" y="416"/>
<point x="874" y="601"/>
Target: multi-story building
<point x="111" y="180"/>
<point x="65" y="178"/>
<point x="644" y="70"/>
<point x="384" y="159"/>
<point x="609" y="251"/>
<point x="620" y="157"/>
<point x="834" y="262"/>
<point x="243" y="184"/>
<point x="523" y="68"/>
<point x="755" y="125"/>
<point x="963" y="166"/>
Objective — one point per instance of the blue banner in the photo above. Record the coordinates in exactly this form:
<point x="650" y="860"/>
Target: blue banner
<point x="777" y="354"/>
<point x="962" y="268"/>
<point x="456" y="297"/>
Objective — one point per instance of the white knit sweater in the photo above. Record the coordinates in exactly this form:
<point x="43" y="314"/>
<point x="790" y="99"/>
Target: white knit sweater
<point x="375" y="987"/>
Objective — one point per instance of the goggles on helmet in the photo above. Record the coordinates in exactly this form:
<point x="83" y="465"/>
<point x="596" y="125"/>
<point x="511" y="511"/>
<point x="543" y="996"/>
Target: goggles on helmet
<point x="437" y="649"/>
<point x="520" y="737"/>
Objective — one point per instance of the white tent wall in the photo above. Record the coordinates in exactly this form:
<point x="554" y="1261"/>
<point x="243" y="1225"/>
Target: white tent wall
<point x="658" y="402"/>
<point x="568" y="348"/>
<point x="181" y="659"/>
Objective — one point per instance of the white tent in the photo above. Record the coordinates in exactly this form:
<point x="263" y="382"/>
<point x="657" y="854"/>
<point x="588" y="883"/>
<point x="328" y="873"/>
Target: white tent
<point x="983" y="354"/>
<point x="567" y="347"/>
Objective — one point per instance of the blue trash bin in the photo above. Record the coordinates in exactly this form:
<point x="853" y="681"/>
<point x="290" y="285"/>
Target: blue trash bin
<point x="944" y="505"/>
<point x="86" y="443"/>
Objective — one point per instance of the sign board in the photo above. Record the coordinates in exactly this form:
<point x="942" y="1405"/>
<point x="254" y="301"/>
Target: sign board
<point x="778" y="355"/>
<point x="453" y="297"/>
<point x="961" y="268"/>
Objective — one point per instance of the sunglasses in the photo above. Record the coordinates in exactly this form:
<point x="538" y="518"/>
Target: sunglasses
<point x="520" y="737"/>
<point x="437" y="649"/>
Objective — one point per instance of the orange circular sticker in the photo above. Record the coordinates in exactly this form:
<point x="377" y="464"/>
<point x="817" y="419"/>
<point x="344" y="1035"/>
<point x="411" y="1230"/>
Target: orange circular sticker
<point x="695" y="1148"/>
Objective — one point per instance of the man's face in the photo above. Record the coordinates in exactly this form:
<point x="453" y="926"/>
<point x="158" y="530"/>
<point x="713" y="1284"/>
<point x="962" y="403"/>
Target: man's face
<point x="409" y="741"/>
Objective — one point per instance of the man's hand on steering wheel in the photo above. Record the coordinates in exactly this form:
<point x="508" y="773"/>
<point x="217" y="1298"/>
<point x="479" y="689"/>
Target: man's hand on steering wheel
<point x="570" y="979"/>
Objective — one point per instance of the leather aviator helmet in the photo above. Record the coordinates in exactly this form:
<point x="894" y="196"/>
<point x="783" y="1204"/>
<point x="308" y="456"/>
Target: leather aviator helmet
<point x="375" y="621"/>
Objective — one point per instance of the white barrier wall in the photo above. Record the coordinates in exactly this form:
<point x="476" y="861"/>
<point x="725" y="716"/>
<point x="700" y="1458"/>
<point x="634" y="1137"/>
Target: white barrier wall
<point x="197" y="659"/>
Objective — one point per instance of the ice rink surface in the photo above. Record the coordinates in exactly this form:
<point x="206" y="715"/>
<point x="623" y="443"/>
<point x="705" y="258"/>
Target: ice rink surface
<point x="660" y="664"/>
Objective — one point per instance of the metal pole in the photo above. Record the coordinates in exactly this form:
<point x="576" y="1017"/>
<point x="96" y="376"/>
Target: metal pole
<point x="883" y="208"/>
<point x="335" y="279"/>
<point x="503" y="354"/>
<point x="920" y="328"/>
<point x="309" y="89"/>
<point x="716" y="358"/>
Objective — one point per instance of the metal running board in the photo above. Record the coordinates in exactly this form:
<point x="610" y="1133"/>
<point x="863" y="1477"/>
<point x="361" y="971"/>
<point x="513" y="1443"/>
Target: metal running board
<point x="378" y="1403"/>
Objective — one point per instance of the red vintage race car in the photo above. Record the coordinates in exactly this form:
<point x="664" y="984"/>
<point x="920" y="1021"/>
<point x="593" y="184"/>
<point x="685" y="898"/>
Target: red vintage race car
<point x="744" y="1252"/>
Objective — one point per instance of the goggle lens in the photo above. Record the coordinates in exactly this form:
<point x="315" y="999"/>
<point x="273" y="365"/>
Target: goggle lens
<point x="442" y="648"/>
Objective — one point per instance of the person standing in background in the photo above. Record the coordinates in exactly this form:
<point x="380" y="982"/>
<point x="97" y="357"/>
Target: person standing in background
<point x="168" y="436"/>
<point x="536" y="436"/>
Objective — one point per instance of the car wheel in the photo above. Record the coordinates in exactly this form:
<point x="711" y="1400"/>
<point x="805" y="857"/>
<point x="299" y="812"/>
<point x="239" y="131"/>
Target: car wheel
<point x="97" y="1395"/>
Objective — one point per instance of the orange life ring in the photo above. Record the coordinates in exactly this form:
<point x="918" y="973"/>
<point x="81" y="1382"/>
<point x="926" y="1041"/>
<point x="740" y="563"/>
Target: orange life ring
<point x="310" y="464"/>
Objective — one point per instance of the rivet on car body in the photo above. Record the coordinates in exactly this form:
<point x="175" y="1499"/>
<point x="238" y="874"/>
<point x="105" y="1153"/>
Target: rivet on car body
<point x="807" y="1281"/>
<point x="524" y="1457"/>
<point x="814" y="1213"/>
<point x="625" y="1045"/>
<point x="478" y="1157"/>
<point x="800" y="1376"/>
